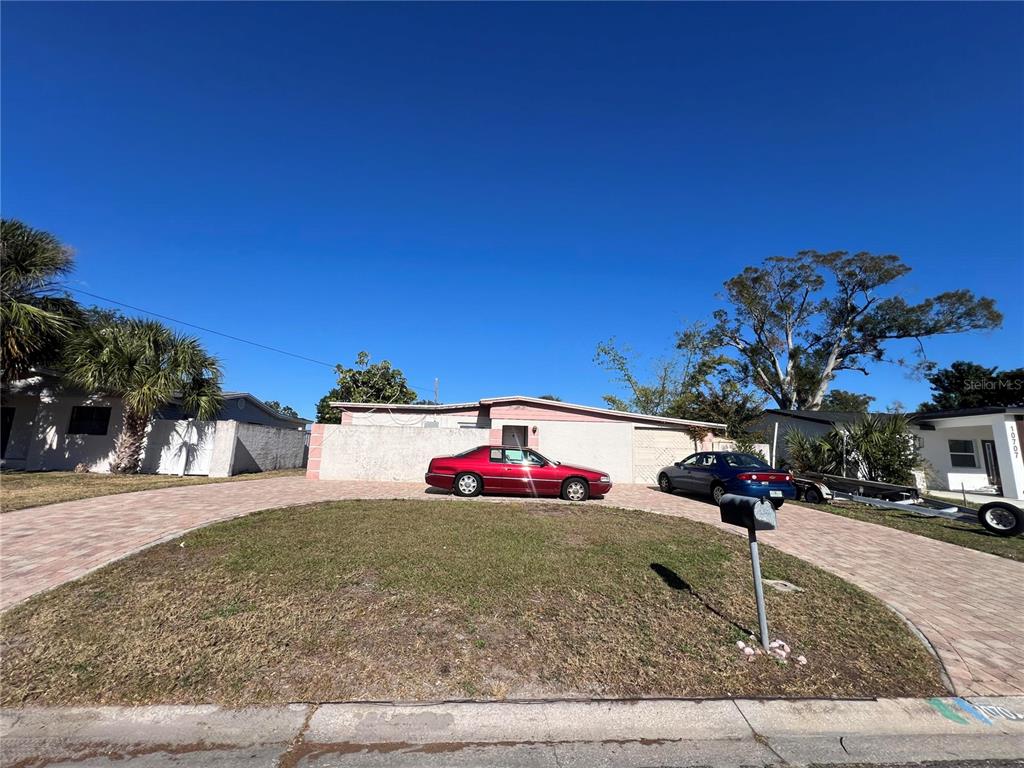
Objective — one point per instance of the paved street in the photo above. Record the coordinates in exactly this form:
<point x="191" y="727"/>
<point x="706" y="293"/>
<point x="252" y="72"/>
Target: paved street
<point x="967" y="603"/>
<point x="557" y="734"/>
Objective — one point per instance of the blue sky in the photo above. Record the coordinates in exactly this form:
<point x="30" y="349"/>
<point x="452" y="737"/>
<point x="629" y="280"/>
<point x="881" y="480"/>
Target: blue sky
<point x="482" y="193"/>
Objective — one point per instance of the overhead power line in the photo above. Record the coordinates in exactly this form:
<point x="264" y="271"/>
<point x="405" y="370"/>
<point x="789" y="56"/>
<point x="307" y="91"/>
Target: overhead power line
<point x="207" y="330"/>
<point x="200" y="327"/>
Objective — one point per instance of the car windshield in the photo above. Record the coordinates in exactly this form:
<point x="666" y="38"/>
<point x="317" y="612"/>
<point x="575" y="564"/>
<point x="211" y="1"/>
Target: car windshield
<point x="744" y="460"/>
<point x="545" y="460"/>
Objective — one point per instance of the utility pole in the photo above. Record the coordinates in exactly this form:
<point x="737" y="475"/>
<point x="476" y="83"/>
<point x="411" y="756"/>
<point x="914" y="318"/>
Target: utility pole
<point x="437" y="385"/>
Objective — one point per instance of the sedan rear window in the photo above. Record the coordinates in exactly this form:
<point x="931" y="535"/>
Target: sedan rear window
<point x="742" y="460"/>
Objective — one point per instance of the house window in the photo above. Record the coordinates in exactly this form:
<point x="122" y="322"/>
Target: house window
<point x="89" y="420"/>
<point x="961" y="453"/>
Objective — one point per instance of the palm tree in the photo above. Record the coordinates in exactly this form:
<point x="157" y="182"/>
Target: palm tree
<point x="35" y="315"/>
<point x="147" y="365"/>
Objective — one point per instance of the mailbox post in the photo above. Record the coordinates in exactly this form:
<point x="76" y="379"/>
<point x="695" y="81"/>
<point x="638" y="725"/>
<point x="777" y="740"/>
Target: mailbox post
<point x="754" y="515"/>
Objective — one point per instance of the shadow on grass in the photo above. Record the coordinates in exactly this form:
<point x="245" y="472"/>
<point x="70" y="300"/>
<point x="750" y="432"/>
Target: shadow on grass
<point x="674" y="581"/>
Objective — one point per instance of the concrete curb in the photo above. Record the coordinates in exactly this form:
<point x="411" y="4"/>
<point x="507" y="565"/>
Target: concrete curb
<point x="714" y="732"/>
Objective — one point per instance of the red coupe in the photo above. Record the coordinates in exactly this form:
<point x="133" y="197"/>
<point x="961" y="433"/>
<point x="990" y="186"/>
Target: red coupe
<point x="504" y="469"/>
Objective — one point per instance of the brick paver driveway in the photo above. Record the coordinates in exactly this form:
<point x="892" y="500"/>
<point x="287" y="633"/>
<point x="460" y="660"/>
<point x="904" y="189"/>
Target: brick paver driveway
<point x="967" y="603"/>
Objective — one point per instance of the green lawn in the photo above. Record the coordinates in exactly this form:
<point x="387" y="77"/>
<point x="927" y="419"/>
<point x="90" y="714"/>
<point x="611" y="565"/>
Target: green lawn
<point x="970" y="535"/>
<point x="413" y="600"/>
<point x="19" y="490"/>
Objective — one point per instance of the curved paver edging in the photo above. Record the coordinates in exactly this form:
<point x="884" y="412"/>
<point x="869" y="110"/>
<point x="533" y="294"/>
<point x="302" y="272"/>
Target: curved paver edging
<point x="943" y="589"/>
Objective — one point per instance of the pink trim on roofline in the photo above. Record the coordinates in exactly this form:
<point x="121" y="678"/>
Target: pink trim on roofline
<point x="539" y="409"/>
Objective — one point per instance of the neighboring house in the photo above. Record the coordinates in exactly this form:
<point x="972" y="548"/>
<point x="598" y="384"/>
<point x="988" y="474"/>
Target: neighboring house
<point x="395" y="442"/>
<point x="48" y="425"/>
<point x="811" y="423"/>
<point x="974" y="449"/>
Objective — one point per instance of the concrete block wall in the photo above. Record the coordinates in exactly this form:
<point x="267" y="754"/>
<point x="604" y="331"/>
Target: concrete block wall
<point x="347" y="452"/>
<point x="240" y="448"/>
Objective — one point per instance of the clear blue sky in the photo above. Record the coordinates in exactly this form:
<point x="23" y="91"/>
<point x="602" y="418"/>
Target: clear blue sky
<point x="481" y="193"/>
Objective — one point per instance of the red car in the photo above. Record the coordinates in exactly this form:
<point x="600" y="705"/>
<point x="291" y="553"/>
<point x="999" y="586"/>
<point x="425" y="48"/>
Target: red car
<point x="523" y="471"/>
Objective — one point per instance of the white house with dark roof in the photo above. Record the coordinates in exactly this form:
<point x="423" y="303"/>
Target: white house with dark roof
<point x="974" y="449"/>
<point x="48" y="425"/>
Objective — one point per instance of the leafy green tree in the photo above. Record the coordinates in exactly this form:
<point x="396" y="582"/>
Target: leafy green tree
<point x="724" y="401"/>
<point x="284" y="410"/>
<point x="969" y="385"/>
<point x="875" y="447"/>
<point x="147" y="365"/>
<point x="796" y="321"/>
<point x="693" y="383"/>
<point x="36" y="316"/>
<point x="555" y="398"/>
<point x="846" y="402"/>
<point x="365" y="383"/>
<point x="674" y="381"/>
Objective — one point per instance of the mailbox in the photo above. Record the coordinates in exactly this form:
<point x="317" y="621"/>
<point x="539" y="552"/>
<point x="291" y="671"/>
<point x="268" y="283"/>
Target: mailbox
<point x="748" y="512"/>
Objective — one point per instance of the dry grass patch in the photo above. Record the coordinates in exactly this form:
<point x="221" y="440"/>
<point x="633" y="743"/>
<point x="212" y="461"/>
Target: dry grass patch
<point x="437" y="600"/>
<point x="970" y="535"/>
<point x="20" y="490"/>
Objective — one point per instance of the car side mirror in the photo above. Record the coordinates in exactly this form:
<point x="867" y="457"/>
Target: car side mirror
<point x="679" y="463"/>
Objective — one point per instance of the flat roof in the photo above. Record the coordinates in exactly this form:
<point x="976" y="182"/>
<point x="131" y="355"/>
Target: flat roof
<point x="960" y="413"/>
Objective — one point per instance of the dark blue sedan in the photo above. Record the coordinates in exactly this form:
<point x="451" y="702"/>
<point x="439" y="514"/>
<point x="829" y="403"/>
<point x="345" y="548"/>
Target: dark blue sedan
<point x="721" y="472"/>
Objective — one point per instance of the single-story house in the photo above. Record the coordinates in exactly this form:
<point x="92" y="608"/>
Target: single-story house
<point x="779" y="421"/>
<point x="48" y="425"/>
<point x="976" y="449"/>
<point x="379" y="441"/>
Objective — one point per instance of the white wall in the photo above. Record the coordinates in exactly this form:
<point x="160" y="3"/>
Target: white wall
<point x="602" y="445"/>
<point x="239" y="448"/>
<point x="176" y="446"/>
<point x="940" y="472"/>
<point x="52" y="448"/>
<point x="425" y="420"/>
<point x="351" y="452"/>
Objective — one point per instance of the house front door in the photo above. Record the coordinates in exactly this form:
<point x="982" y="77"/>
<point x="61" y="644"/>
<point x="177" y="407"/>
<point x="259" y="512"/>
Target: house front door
<point x="5" y="428"/>
<point x="513" y="435"/>
<point x="988" y="451"/>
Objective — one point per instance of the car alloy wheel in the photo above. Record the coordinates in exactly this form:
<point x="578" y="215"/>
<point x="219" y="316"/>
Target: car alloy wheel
<point x="664" y="483"/>
<point x="575" y="490"/>
<point x="717" y="492"/>
<point x="468" y="485"/>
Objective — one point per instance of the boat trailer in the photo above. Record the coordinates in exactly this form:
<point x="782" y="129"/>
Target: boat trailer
<point x="999" y="517"/>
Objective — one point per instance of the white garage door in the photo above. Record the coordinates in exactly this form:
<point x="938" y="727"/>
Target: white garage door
<point x="656" y="448"/>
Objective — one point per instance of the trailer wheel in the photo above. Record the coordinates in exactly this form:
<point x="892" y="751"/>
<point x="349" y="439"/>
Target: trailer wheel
<point x="1001" y="518"/>
<point x="813" y="496"/>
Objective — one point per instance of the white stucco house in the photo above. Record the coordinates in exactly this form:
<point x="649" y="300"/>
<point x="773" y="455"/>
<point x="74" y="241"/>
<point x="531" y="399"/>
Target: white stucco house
<point x="378" y="441"/>
<point x="47" y="425"/>
<point x="975" y="449"/>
